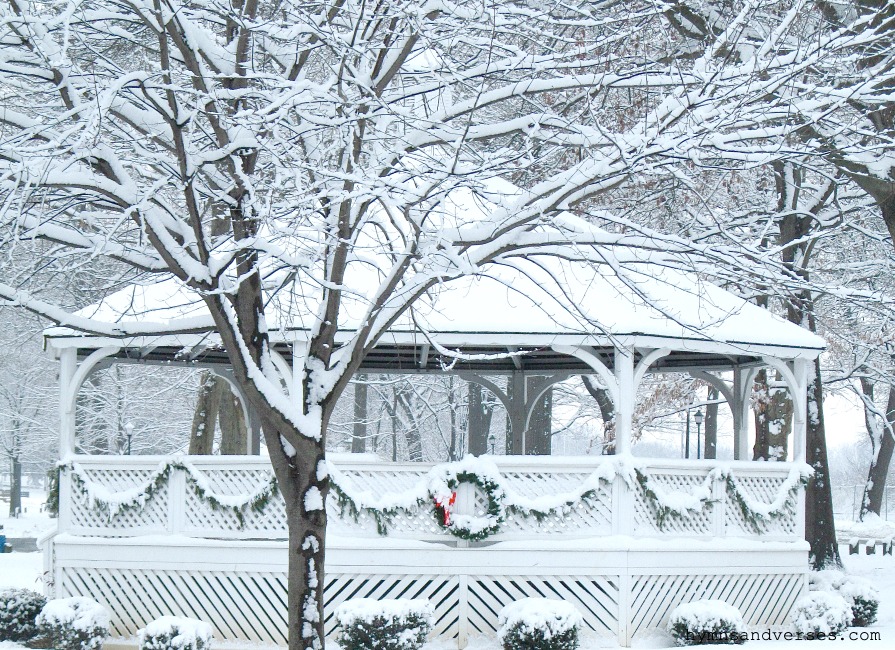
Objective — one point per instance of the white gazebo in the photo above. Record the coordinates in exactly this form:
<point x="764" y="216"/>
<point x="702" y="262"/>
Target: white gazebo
<point x="624" y="539"/>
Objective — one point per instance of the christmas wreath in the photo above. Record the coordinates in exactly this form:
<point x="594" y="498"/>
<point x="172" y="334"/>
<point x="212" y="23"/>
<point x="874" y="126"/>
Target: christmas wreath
<point x="472" y="528"/>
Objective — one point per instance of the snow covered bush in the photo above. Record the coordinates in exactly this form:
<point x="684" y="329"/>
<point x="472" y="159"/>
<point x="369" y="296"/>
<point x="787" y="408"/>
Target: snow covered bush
<point x="863" y="598"/>
<point x="706" y="622"/>
<point x="539" y="624"/>
<point x="18" y="609"/>
<point x="175" y="633"/>
<point x="368" y="624"/>
<point x="821" y="612"/>
<point x="74" y="623"/>
<point x="858" y="592"/>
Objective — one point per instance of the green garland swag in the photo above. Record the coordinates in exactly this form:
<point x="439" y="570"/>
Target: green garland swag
<point x="496" y="509"/>
<point x="758" y="521"/>
<point x="160" y="478"/>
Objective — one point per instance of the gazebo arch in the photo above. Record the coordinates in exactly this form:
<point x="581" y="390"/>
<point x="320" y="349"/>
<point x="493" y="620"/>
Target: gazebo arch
<point x="631" y="543"/>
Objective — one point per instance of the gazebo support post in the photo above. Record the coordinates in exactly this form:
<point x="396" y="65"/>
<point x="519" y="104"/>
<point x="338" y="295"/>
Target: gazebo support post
<point x="742" y="391"/>
<point x="68" y="365"/>
<point x="71" y="377"/>
<point x="624" y="408"/>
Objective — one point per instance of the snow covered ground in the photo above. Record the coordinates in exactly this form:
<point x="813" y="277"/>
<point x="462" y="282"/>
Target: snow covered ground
<point x="32" y="522"/>
<point x="26" y="569"/>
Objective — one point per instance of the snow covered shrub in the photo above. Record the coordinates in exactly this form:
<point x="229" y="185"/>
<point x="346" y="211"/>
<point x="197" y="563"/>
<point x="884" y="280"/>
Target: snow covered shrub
<point x="74" y="623"/>
<point x="706" y="621"/>
<point x="175" y="633"/>
<point x="368" y="624"/>
<point x="859" y="593"/>
<point x="539" y="624"/>
<point x="863" y="598"/>
<point x="821" y="612"/>
<point x="18" y="609"/>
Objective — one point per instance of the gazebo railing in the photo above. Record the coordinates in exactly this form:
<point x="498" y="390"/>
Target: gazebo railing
<point x="125" y="496"/>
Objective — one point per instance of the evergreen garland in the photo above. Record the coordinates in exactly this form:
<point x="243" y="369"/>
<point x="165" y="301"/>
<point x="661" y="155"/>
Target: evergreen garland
<point x="496" y="510"/>
<point x="759" y="521"/>
<point x="53" y="491"/>
<point x="382" y="516"/>
<point x="756" y="519"/>
<point x="664" y="511"/>
<point x="158" y="479"/>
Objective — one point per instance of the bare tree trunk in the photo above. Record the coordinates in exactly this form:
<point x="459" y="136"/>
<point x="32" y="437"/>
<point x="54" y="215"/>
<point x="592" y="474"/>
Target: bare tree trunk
<point x="481" y="410"/>
<point x="607" y="412"/>
<point x="773" y="417"/>
<point x="15" y="488"/>
<point x="412" y="433"/>
<point x="359" y="434"/>
<point x="234" y="428"/>
<point x="538" y="437"/>
<point x="207" y="406"/>
<point x="452" y="412"/>
<point x="711" y="424"/>
<point x="820" y="530"/>
<point x="795" y="226"/>
<point x="298" y="476"/>
<point x="874" y="490"/>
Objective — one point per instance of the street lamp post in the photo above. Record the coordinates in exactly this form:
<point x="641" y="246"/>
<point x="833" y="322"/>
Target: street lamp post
<point x="492" y="441"/>
<point x="129" y="430"/>
<point x="697" y="418"/>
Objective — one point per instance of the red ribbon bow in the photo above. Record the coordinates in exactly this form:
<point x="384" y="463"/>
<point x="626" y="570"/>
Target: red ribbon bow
<point x="446" y="505"/>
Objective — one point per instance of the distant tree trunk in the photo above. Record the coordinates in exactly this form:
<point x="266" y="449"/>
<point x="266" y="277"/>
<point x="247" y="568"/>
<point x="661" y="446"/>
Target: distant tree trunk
<point x="393" y="415"/>
<point x="412" y="433"/>
<point x="481" y="410"/>
<point x="207" y="406"/>
<point x="538" y="437"/>
<point x="883" y="446"/>
<point x="607" y="412"/>
<point x="711" y="424"/>
<point x="232" y="421"/>
<point x="773" y="418"/>
<point x="359" y="435"/>
<point x="94" y="430"/>
<point x="15" y="488"/>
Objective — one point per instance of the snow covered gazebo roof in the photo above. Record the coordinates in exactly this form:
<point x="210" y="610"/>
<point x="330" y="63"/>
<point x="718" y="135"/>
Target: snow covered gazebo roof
<point x="528" y="306"/>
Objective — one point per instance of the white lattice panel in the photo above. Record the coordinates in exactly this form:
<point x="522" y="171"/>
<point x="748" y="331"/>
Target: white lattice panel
<point x="150" y="517"/>
<point x="200" y="517"/>
<point x="239" y="605"/>
<point x="245" y="606"/>
<point x="763" y="599"/>
<point x="593" y="517"/>
<point x="692" y="523"/>
<point x="764" y="489"/>
<point x="240" y="586"/>
<point x="595" y="597"/>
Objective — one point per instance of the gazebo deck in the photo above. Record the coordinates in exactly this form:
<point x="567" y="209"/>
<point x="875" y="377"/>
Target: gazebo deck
<point x="615" y="554"/>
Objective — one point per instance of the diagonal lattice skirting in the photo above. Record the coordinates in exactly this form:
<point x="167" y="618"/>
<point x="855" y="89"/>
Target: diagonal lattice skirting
<point x="240" y="586"/>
